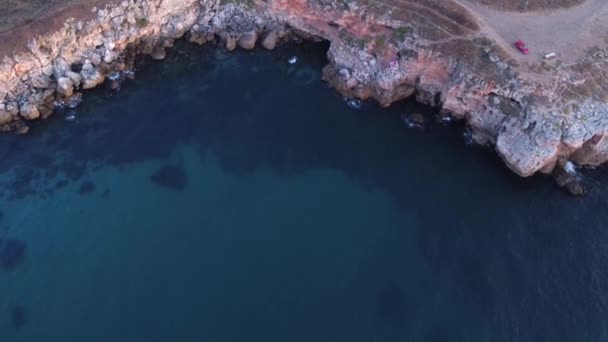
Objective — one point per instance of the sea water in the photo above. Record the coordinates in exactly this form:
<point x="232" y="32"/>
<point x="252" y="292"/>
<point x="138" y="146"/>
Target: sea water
<point x="236" y="197"/>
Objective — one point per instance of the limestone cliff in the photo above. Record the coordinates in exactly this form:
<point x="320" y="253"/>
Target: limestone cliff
<point x="537" y="113"/>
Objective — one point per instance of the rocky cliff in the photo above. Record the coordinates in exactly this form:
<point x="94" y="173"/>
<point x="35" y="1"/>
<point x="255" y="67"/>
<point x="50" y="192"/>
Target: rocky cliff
<point x="537" y="113"/>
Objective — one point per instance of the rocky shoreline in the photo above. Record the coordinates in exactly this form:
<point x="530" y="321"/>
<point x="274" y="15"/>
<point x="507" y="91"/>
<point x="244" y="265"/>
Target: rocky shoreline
<point x="542" y="120"/>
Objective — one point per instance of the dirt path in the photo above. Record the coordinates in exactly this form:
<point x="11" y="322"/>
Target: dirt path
<point x="567" y="32"/>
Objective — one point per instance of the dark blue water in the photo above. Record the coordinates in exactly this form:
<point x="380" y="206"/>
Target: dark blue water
<point x="235" y="197"/>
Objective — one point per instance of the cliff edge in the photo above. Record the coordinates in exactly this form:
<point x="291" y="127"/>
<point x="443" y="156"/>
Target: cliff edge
<point x="457" y="55"/>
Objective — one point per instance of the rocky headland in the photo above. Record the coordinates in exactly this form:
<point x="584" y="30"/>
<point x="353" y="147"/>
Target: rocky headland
<point x="541" y="114"/>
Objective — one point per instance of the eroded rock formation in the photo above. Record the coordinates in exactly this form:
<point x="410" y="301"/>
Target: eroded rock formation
<point x="537" y="113"/>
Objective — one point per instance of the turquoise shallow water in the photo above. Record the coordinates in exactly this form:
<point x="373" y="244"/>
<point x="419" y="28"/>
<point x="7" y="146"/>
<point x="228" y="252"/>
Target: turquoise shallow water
<point x="235" y="197"/>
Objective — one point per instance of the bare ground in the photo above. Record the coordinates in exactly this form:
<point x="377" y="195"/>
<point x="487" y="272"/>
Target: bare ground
<point x="568" y="32"/>
<point x="528" y="5"/>
<point x="22" y="20"/>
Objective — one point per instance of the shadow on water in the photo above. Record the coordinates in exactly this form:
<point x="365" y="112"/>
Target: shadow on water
<point x="523" y="255"/>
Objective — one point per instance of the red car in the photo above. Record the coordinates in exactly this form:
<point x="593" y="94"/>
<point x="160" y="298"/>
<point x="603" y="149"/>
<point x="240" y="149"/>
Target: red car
<point x="521" y="46"/>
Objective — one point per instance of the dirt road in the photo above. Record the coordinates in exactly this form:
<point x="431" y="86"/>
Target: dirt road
<point x="567" y="32"/>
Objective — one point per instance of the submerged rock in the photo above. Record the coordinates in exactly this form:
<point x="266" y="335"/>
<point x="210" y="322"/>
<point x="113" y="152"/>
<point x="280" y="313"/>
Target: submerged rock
<point x="86" y="188"/>
<point x="17" y="316"/>
<point x="12" y="253"/>
<point x="74" y="100"/>
<point x="353" y="103"/>
<point x="566" y="177"/>
<point x="71" y="115"/>
<point x="445" y="119"/>
<point x="115" y="80"/>
<point x="467" y="135"/>
<point x="22" y="129"/>
<point x="415" y="120"/>
<point x="576" y="189"/>
<point x="61" y="183"/>
<point x="106" y="193"/>
<point x="129" y="74"/>
<point x="170" y="176"/>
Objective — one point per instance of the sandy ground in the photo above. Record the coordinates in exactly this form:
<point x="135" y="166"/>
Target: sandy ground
<point x="567" y="32"/>
<point x="528" y="5"/>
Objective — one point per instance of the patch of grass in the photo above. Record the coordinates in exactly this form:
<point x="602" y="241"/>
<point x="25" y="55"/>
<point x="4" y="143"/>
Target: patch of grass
<point x="380" y="41"/>
<point x="361" y="43"/>
<point x="351" y="40"/>
<point x="403" y="32"/>
<point x="246" y="3"/>
<point x="141" y="22"/>
<point x="399" y="34"/>
<point x="346" y="37"/>
<point x="345" y="4"/>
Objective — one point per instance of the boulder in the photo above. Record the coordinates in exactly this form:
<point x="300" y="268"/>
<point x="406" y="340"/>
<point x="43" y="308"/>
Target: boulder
<point x="248" y="39"/>
<point x="40" y="81"/>
<point x="74" y="76"/>
<point x="12" y="108"/>
<point x="159" y="53"/>
<point x="91" y="77"/>
<point x="270" y="41"/>
<point x="45" y="110"/>
<point x="94" y="58"/>
<point x="29" y="111"/>
<point x="65" y="86"/>
<point x="60" y="67"/>
<point x="230" y="43"/>
<point x="5" y="115"/>
<point x="197" y="38"/>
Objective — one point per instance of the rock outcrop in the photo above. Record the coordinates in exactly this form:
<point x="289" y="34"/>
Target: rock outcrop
<point x="535" y="114"/>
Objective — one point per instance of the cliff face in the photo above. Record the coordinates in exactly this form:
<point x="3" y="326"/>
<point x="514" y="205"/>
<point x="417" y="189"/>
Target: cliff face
<point x="537" y="113"/>
<point x="81" y="54"/>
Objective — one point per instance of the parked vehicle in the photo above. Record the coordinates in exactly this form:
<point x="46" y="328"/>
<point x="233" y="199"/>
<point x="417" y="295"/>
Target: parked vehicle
<point x="521" y="46"/>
